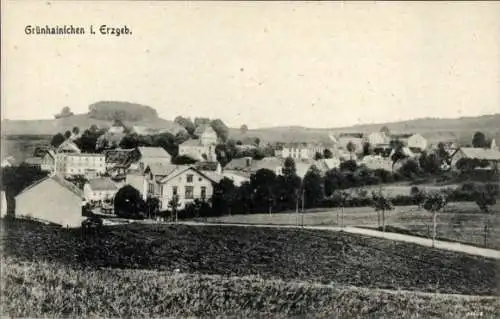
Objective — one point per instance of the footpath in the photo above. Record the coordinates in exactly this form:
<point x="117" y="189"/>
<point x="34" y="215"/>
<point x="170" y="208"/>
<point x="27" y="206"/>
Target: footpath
<point x="439" y="244"/>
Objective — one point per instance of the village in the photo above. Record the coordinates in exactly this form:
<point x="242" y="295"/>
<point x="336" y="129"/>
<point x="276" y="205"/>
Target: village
<point x="79" y="181"/>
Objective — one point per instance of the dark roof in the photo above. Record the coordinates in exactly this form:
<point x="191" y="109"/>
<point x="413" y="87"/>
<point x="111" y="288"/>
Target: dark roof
<point x="207" y="166"/>
<point x="356" y="135"/>
<point x="401" y="135"/>
<point x="120" y="155"/>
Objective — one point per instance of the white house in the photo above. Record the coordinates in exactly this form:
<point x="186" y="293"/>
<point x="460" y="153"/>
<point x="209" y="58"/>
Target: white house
<point x="206" y="134"/>
<point x="89" y="165"/>
<point x="376" y="139"/>
<point x="99" y="189"/>
<point x="49" y="161"/>
<point x="186" y="183"/>
<point x="301" y="150"/>
<point x="3" y="205"/>
<point x="51" y="200"/>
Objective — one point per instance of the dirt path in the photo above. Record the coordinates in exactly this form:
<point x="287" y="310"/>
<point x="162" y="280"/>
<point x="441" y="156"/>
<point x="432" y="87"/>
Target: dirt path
<point x="445" y="245"/>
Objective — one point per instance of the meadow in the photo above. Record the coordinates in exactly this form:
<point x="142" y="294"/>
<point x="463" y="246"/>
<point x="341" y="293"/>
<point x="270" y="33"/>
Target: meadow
<point x="461" y="222"/>
<point x="179" y="270"/>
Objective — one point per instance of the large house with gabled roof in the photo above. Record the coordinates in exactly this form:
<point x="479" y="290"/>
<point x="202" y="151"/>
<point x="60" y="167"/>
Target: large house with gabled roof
<point x="51" y="200"/>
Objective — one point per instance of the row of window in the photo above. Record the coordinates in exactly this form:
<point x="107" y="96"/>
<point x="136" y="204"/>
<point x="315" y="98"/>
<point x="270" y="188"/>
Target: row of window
<point x="188" y="191"/>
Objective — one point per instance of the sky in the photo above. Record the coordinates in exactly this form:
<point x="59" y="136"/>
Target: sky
<point x="311" y="64"/>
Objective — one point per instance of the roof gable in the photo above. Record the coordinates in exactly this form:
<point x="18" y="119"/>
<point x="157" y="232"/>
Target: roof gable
<point x="59" y="181"/>
<point x="68" y="146"/>
<point x="481" y="153"/>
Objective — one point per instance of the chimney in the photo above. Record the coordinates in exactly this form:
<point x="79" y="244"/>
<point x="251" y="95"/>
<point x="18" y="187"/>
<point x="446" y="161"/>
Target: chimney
<point x="248" y="161"/>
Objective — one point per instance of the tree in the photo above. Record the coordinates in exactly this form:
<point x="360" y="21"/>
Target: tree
<point x="257" y="141"/>
<point x="318" y="156"/>
<point x="67" y="134"/>
<point x="313" y="187"/>
<point x="65" y="112"/>
<point x="244" y="129"/>
<point x="186" y="123"/>
<point x="76" y="130"/>
<point x="183" y="160"/>
<point x="385" y="130"/>
<point x="263" y="183"/>
<point x="349" y="165"/>
<point x="343" y="199"/>
<point x="351" y="148"/>
<point x="228" y="192"/>
<point x="418" y="196"/>
<point x="434" y="203"/>
<point x="327" y="153"/>
<point x="398" y="154"/>
<point x="93" y="128"/>
<point x="288" y="185"/>
<point x="153" y="205"/>
<point x="221" y="129"/>
<point x="485" y="197"/>
<point x="381" y="204"/>
<point x="410" y="168"/>
<point x="174" y="204"/>
<point x="128" y="203"/>
<point x="479" y="140"/>
<point x="367" y="149"/>
<point x="57" y="140"/>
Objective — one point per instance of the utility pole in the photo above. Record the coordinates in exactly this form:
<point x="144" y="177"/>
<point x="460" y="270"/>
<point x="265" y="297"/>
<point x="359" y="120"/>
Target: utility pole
<point x="302" y="216"/>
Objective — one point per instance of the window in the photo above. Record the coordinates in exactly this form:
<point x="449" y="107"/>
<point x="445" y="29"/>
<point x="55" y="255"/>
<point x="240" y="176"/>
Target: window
<point x="174" y="190"/>
<point x="200" y="179"/>
<point x="203" y="192"/>
<point x="189" y="192"/>
<point x="161" y="190"/>
<point x="190" y="178"/>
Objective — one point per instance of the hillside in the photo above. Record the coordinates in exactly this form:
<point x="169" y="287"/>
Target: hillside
<point x="101" y="114"/>
<point x="433" y="129"/>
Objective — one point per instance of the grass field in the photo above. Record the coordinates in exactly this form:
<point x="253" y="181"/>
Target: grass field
<point x="461" y="222"/>
<point x="161" y="270"/>
<point x="288" y="254"/>
<point x="36" y="288"/>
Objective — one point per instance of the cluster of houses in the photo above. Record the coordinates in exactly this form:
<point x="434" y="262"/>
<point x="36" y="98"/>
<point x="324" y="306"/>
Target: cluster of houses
<point x="56" y="199"/>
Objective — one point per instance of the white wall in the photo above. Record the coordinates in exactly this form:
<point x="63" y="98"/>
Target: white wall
<point x="181" y="182"/>
<point x="51" y="202"/>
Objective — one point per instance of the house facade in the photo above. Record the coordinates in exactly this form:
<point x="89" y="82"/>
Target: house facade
<point x="206" y="134"/>
<point x="376" y="139"/>
<point x="99" y="189"/>
<point x="51" y="200"/>
<point x="49" y="161"/>
<point x="87" y="164"/>
<point x="186" y="183"/>
<point x="301" y="151"/>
